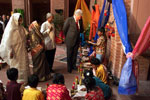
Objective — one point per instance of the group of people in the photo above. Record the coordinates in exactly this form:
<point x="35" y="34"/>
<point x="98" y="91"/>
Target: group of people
<point x="3" y="22"/>
<point x="17" y="43"/>
<point x="96" y="89"/>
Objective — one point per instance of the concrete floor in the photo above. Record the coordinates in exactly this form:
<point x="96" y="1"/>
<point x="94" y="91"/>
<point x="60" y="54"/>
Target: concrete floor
<point x="61" y="67"/>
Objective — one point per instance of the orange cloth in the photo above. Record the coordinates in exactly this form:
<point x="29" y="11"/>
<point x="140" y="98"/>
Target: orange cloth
<point x="94" y="22"/>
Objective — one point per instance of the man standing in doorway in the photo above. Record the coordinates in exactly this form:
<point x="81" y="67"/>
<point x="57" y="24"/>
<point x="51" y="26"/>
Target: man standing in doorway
<point x="72" y="28"/>
<point x="48" y="30"/>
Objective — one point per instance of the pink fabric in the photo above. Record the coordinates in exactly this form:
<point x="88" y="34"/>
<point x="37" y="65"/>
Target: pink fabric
<point x="57" y="92"/>
<point x="143" y="42"/>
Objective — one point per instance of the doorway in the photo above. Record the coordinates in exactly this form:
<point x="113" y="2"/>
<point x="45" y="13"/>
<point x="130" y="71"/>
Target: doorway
<point x="39" y="8"/>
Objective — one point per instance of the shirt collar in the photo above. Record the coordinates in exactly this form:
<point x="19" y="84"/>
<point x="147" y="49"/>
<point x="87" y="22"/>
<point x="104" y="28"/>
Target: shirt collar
<point x="74" y="18"/>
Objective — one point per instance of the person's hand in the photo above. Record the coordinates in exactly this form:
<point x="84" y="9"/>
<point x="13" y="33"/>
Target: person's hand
<point x="51" y="29"/>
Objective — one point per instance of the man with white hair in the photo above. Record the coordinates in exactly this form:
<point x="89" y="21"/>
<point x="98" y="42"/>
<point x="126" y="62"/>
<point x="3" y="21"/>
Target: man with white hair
<point x="48" y="30"/>
<point x="72" y="28"/>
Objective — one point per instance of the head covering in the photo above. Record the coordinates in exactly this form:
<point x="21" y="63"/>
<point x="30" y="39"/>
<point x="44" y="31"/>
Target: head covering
<point x="48" y="15"/>
<point x="9" y="36"/>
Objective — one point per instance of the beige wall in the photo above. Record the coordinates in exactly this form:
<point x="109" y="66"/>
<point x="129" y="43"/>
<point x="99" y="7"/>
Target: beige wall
<point x="18" y="4"/>
<point x="139" y="13"/>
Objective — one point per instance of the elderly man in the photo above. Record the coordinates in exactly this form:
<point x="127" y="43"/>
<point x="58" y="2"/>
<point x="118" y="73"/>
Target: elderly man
<point x="48" y="30"/>
<point x="72" y="28"/>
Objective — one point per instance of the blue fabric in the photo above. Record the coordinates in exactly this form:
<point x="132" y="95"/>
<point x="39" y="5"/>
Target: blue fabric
<point x="91" y="50"/>
<point x="120" y="15"/>
<point x="105" y="88"/>
<point x="82" y="39"/>
<point x="127" y="83"/>
<point x="101" y="15"/>
<point x="101" y="18"/>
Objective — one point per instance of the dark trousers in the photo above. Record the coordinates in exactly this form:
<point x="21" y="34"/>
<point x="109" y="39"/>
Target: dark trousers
<point x="50" y="55"/>
<point x="72" y="57"/>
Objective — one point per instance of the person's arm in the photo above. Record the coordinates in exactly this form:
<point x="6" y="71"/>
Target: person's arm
<point x="41" y="96"/>
<point x="66" y="26"/>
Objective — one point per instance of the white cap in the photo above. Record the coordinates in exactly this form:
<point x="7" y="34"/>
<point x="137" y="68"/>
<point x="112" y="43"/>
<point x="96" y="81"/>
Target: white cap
<point x="48" y="15"/>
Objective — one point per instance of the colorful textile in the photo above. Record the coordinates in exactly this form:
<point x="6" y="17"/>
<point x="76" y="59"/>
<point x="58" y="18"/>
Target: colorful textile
<point x="94" y="22"/>
<point x="81" y="4"/>
<point x="104" y="16"/>
<point x="95" y="95"/>
<point x="142" y="44"/>
<point x="120" y="15"/>
<point x="101" y="73"/>
<point x="60" y="38"/>
<point x="100" y="45"/>
<point x="32" y="94"/>
<point x="57" y="92"/>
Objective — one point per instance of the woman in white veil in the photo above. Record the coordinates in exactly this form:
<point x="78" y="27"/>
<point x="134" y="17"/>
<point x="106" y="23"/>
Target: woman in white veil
<point x="13" y="47"/>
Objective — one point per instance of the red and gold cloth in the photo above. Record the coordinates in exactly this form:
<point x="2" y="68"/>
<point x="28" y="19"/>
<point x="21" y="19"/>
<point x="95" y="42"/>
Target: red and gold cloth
<point x="57" y="92"/>
<point x="95" y="95"/>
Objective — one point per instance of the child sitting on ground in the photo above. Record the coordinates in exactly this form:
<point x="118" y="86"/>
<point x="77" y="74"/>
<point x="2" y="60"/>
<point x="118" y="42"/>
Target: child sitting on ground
<point x="12" y="87"/>
<point x="99" y="70"/>
<point x="32" y="93"/>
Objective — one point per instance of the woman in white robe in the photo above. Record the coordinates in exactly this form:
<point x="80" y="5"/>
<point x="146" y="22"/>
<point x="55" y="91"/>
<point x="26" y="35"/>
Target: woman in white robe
<point x="13" y="47"/>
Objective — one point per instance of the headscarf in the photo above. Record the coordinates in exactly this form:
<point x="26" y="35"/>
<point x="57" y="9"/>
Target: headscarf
<point x="11" y="37"/>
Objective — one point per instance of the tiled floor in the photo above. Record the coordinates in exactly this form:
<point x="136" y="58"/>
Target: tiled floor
<point x="61" y="67"/>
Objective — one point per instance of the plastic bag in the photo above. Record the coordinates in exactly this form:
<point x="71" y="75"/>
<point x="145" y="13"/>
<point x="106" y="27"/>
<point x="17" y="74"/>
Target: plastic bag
<point x="127" y="83"/>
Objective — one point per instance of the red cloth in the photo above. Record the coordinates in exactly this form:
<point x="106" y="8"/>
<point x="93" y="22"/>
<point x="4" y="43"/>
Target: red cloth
<point x="57" y="92"/>
<point x="95" y="95"/>
<point x="143" y="42"/>
<point x="94" y="22"/>
<point x="60" y="38"/>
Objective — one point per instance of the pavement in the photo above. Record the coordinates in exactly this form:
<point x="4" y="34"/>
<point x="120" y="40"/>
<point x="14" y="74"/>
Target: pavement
<point x="61" y="67"/>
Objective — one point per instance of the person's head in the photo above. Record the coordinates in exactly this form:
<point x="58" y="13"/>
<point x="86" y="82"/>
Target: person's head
<point x="8" y="17"/>
<point x="58" y="79"/>
<point x="95" y="62"/>
<point x="88" y="73"/>
<point x="20" y="20"/>
<point x="4" y="17"/>
<point x="101" y="31"/>
<point x="78" y="14"/>
<point x="49" y="17"/>
<point x="33" y="81"/>
<point x="90" y="83"/>
<point x="1" y="18"/>
<point x="12" y="74"/>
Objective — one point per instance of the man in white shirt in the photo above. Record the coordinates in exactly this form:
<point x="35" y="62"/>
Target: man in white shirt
<point x="48" y="30"/>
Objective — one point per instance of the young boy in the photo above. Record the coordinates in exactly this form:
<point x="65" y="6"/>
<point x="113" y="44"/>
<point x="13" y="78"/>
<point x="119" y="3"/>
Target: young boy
<point x="100" y="44"/>
<point x="13" y="88"/>
<point x="32" y="93"/>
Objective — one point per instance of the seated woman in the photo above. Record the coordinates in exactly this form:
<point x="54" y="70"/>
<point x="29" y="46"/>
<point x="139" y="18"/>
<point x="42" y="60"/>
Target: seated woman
<point x="40" y="64"/>
<point x="99" y="70"/>
<point x="93" y="92"/>
<point x="105" y="88"/>
<point x="58" y="91"/>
